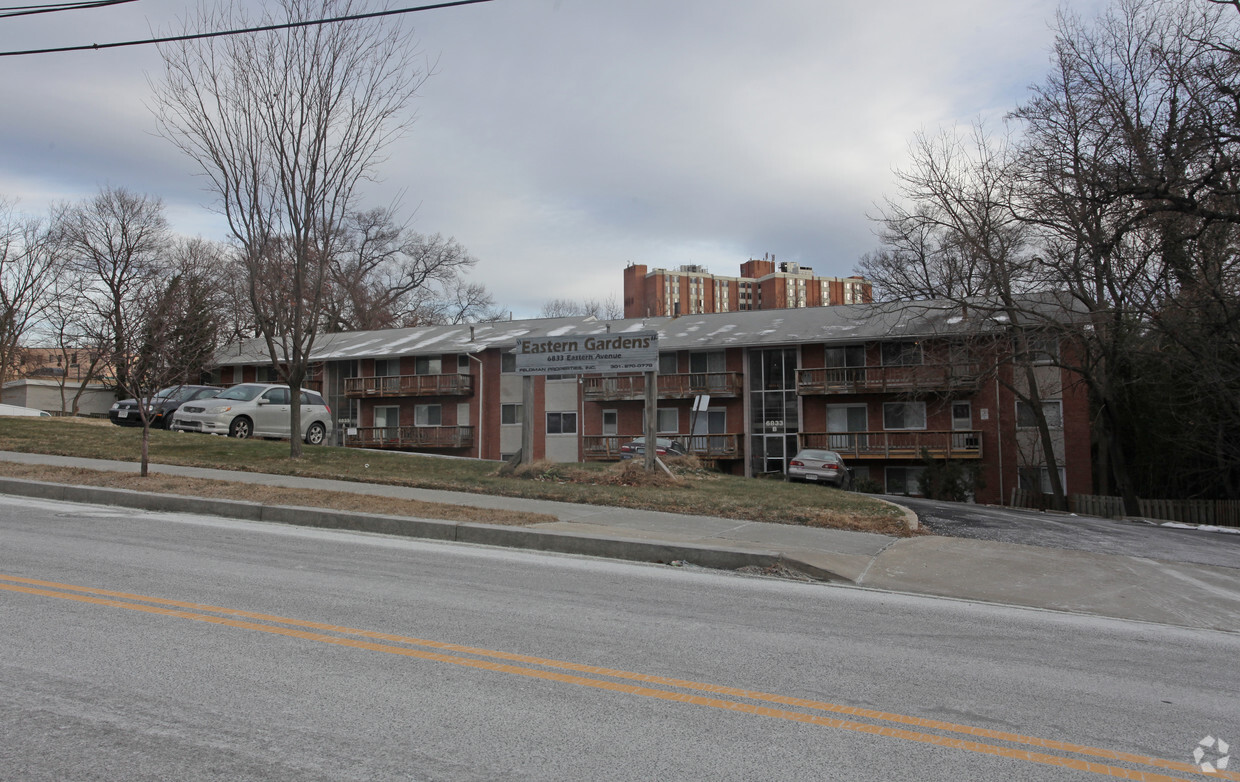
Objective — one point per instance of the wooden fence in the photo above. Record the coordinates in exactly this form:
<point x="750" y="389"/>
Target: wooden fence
<point x="1221" y="513"/>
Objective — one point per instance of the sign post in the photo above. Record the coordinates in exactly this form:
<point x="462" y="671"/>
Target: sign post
<point x="628" y="351"/>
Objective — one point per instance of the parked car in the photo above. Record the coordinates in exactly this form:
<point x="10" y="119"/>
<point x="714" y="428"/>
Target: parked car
<point x="662" y="446"/>
<point x="817" y="466"/>
<point x="19" y="410"/>
<point x="255" y="410"/>
<point x="163" y="405"/>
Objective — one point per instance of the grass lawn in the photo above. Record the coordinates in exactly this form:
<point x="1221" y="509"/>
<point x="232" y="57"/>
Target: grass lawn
<point x="695" y="490"/>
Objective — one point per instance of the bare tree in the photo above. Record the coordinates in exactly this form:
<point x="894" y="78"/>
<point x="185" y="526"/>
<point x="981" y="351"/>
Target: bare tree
<point x="387" y="276"/>
<point x="115" y="245"/>
<point x="608" y="309"/>
<point x="286" y="125"/>
<point x="29" y="265"/>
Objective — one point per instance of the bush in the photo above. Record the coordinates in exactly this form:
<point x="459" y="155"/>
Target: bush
<point x="867" y="486"/>
<point x="949" y="480"/>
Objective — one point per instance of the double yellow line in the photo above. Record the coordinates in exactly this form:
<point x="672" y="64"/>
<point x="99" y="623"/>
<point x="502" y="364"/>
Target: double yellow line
<point x="1012" y="746"/>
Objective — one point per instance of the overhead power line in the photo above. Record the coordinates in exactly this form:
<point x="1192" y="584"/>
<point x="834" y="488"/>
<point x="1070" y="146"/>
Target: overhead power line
<point x="51" y="8"/>
<point x="263" y="29"/>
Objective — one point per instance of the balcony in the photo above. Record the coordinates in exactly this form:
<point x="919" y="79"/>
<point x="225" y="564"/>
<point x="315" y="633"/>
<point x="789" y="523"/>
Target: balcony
<point x="396" y="437"/>
<point x="409" y="385"/>
<point x="707" y="447"/>
<point x="966" y="444"/>
<point x="877" y="380"/>
<point x="717" y="384"/>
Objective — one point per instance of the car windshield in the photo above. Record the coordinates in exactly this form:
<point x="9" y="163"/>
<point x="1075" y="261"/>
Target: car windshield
<point x="819" y="456"/>
<point x="174" y="394"/>
<point x="241" y="393"/>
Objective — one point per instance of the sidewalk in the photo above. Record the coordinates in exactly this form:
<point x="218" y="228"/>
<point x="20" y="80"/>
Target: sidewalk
<point x="1080" y="582"/>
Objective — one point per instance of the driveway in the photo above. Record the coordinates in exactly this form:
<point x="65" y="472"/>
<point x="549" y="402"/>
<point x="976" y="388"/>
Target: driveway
<point x="1079" y="533"/>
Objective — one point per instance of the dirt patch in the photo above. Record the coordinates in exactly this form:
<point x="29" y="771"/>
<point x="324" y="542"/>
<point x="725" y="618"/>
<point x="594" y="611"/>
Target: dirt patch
<point x="270" y="495"/>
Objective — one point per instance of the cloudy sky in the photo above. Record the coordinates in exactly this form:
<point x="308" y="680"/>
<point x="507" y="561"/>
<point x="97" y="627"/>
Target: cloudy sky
<point x="560" y="140"/>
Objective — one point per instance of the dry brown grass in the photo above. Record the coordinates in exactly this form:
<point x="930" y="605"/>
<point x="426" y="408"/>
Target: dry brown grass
<point x="270" y="495"/>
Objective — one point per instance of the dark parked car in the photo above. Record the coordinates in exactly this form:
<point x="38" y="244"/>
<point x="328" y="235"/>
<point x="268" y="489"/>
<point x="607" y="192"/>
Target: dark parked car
<point x="817" y="466"/>
<point x="163" y="405"/>
<point x="662" y="447"/>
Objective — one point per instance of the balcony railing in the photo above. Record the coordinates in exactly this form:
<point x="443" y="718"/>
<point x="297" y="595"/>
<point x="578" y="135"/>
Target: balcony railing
<point x="409" y="385"/>
<point x="868" y="380"/>
<point x="409" y="437"/>
<point x="687" y="386"/>
<point x="709" y="447"/>
<point x="966" y="444"/>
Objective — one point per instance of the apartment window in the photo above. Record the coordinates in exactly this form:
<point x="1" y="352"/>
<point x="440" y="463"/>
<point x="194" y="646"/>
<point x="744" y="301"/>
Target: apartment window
<point x="1052" y="409"/>
<point x="386" y="367"/>
<point x="1038" y="479"/>
<point x="561" y="423"/>
<point x="901" y="354"/>
<point x="1043" y="348"/>
<point x="510" y="414"/>
<point x="668" y="364"/>
<point x="388" y="419"/>
<point x="904" y="415"/>
<point x="428" y="415"/>
<point x="903" y="480"/>
<point x="668" y="420"/>
<point x="611" y="422"/>
<point x="706" y="362"/>
<point x="427" y="365"/>
<point x="462" y="364"/>
<point x="508" y="362"/>
<point x="846" y="356"/>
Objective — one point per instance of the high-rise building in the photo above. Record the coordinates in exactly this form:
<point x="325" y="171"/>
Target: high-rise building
<point x="761" y="285"/>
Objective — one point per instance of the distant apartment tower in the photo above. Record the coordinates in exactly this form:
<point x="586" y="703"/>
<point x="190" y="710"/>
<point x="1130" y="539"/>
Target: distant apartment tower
<point x="692" y="290"/>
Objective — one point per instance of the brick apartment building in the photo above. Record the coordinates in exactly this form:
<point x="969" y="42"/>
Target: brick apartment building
<point x="762" y="285"/>
<point x="883" y="384"/>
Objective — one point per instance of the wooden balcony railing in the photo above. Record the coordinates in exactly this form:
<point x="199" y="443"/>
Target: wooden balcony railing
<point x="687" y="386"/>
<point x="965" y="444"/>
<point x="409" y="385"/>
<point x="867" y="380"/>
<point x="410" y="437"/>
<point x="709" y="447"/>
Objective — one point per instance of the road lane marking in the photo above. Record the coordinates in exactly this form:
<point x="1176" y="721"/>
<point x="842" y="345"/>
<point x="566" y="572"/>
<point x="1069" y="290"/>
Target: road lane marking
<point x="89" y="595"/>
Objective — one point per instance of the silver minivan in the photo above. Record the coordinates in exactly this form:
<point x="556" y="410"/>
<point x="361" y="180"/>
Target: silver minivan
<point x="255" y="410"/>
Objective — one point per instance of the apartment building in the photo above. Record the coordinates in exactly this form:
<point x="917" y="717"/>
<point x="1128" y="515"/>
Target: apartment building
<point x="761" y="285"/>
<point x="883" y="384"/>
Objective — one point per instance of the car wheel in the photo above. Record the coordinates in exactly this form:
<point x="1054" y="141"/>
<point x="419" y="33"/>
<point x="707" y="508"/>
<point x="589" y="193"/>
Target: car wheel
<point x="241" y="428"/>
<point x="316" y="434"/>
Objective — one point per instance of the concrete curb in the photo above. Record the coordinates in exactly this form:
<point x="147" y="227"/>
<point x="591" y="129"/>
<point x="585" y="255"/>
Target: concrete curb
<point x="717" y="557"/>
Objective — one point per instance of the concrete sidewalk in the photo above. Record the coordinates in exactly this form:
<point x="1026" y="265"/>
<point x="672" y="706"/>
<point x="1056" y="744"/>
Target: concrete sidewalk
<point x="1081" y="582"/>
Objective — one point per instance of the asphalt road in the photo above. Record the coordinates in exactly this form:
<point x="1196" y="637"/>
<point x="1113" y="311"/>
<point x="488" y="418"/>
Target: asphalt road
<point x="141" y="646"/>
<point x="1080" y="533"/>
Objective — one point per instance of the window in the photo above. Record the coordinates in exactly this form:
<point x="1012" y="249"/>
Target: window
<point x="668" y="420"/>
<point x="1038" y="479"/>
<point x="462" y="364"/>
<point x="846" y="356"/>
<point x="1053" y="410"/>
<point x="962" y="416"/>
<point x="427" y="415"/>
<point x="388" y="419"/>
<point x="706" y="362"/>
<point x="561" y="423"/>
<point x="611" y="422"/>
<point x="277" y="396"/>
<point x="1043" y="348"/>
<point x="901" y="354"/>
<point x="508" y="362"/>
<point x="903" y="480"/>
<point x="510" y="414"/>
<point x="386" y="367"/>
<point x="428" y="365"/>
<point x="667" y="364"/>
<point x="904" y="415"/>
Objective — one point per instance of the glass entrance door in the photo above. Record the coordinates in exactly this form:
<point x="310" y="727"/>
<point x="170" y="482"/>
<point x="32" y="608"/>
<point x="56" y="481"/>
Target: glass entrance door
<point x="774" y="419"/>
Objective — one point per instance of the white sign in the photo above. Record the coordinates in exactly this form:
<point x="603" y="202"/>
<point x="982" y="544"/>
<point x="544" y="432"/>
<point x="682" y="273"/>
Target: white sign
<point x="631" y="351"/>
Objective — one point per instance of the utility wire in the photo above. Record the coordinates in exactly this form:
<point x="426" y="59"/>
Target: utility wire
<point x="51" y="8"/>
<point x="266" y="28"/>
